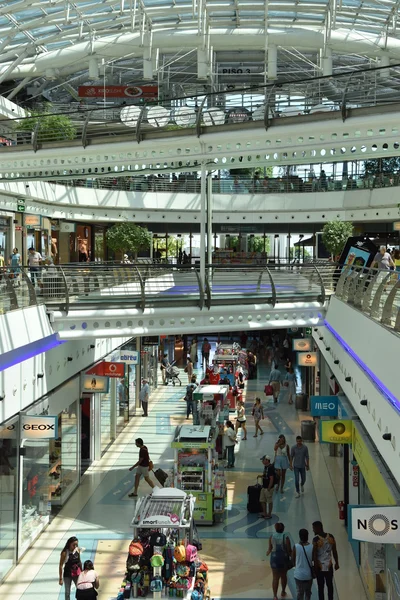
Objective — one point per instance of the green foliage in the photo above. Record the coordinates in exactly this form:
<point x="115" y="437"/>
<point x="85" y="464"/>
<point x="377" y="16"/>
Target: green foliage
<point x="161" y="244"/>
<point x="52" y="127"/>
<point x="128" y="237"/>
<point x="375" y="166"/>
<point x="255" y="244"/>
<point x="335" y="235"/>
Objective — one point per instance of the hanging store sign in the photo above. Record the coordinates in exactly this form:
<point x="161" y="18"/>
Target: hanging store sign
<point x="39" y="428"/>
<point x="396" y="226"/>
<point x="66" y="227"/>
<point x="324" y="406"/>
<point x="32" y="221"/>
<point x="130" y="357"/>
<point x="150" y="340"/>
<point x="238" y="114"/>
<point x="118" y="91"/>
<point x="307" y="359"/>
<point x="377" y="524"/>
<point x="302" y="344"/>
<point x="108" y="369"/>
<point x="95" y="384"/>
<point x="336" y="432"/>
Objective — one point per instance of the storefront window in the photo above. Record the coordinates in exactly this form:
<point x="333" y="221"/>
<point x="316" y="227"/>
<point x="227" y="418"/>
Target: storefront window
<point x="8" y="495"/>
<point x="106" y="432"/>
<point x="64" y="458"/>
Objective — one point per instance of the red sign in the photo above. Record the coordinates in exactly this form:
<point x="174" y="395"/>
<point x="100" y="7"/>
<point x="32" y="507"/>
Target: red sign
<point x="108" y="369"/>
<point x="118" y="91"/>
<point x="18" y="228"/>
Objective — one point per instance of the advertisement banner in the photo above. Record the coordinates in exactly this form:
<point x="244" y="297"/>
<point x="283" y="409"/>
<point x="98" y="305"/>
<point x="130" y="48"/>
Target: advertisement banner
<point x="108" y="369"/>
<point x="302" y="345"/>
<point x="203" y="508"/>
<point x="376" y="524"/>
<point x="307" y="359"/>
<point x="324" y="406"/>
<point x="95" y="384"/>
<point x="336" y="432"/>
<point x="39" y="428"/>
<point x="118" y="91"/>
<point x="32" y="221"/>
<point x="130" y="357"/>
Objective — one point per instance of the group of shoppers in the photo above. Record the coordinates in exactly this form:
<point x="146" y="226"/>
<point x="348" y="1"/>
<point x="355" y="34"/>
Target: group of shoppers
<point x="71" y="570"/>
<point x="317" y="560"/>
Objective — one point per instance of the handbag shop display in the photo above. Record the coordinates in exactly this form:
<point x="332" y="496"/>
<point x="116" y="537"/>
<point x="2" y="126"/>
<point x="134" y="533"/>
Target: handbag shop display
<point x="163" y="559"/>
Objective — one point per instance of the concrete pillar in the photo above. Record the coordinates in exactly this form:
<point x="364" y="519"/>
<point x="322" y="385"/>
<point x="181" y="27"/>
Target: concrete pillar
<point x="203" y="216"/>
<point x="384" y="61"/>
<point x="272" y="61"/>
<point x="327" y="62"/>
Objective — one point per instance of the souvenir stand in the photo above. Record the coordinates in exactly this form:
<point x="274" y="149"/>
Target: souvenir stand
<point x="211" y="403"/>
<point x="195" y="471"/>
<point x="163" y="559"/>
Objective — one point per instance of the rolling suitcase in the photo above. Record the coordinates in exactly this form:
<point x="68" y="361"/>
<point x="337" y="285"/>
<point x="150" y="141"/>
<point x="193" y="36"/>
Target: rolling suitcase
<point x="253" y="498"/>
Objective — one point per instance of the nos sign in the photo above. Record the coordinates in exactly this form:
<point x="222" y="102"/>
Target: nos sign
<point x="379" y="524"/>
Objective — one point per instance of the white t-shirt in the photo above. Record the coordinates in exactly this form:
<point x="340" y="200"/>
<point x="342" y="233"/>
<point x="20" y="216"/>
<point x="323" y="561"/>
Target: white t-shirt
<point x="230" y="437"/>
<point x="86" y="579"/>
<point x="34" y="259"/>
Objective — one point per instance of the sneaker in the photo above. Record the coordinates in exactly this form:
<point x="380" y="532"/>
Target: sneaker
<point x="297" y="495"/>
<point x="302" y="489"/>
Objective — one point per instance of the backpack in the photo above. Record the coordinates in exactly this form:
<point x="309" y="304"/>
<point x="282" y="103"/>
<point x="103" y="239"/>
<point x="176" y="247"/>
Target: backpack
<point x="132" y="563"/>
<point x="180" y="553"/>
<point x="156" y="584"/>
<point x="135" y="548"/>
<point x="189" y="393"/>
<point x="158" y="539"/>
<point x="191" y="553"/>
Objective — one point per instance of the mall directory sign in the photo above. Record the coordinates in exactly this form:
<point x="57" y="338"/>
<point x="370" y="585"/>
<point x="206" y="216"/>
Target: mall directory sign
<point x="336" y="431"/>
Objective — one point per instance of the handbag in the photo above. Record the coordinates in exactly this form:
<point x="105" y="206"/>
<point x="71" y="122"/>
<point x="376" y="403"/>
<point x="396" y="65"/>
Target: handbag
<point x="313" y="573"/>
<point x="269" y="390"/>
<point x="289" y="559"/>
<point x="151" y="465"/>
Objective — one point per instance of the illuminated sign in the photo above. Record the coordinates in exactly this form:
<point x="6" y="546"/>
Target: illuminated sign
<point x="95" y="384"/>
<point x="32" y="220"/>
<point x="324" y="406"/>
<point x="377" y="524"/>
<point x="108" y="369"/>
<point x="302" y="345"/>
<point x="336" y="432"/>
<point x="39" y="428"/>
<point x="130" y="357"/>
<point x="307" y="359"/>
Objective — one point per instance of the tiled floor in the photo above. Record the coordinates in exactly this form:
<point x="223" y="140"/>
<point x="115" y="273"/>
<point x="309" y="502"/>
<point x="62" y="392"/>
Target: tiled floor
<point x="100" y="512"/>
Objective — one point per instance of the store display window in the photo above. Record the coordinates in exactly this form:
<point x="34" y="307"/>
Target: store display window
<point x="106" y="421"/>
<point x="64" y="456"/>
<point x="8" y="495"/>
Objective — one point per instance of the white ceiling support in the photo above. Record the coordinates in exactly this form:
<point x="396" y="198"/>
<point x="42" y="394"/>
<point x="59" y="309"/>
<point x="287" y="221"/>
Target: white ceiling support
<point x="93" y="68"/>
<point x="148" y="56"/>
<point x="17" y="88"/>
<point x="327" y="62"/>
<point x="272" y="61"/>
<point x="384" y="61"/>
<point x="13" y="65"/>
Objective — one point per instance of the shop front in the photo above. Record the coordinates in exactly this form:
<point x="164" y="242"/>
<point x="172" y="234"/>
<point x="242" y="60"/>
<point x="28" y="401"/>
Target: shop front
<point x="8" y="495"/>
<point x="5" y="238"/>
<point x="38" y="235"/>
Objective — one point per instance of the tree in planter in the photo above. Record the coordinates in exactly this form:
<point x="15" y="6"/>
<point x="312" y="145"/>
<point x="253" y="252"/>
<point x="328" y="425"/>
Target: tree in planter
<point x="335" y="235"/>
<point x="128" y="237"/>
<point x="52" y="127"/>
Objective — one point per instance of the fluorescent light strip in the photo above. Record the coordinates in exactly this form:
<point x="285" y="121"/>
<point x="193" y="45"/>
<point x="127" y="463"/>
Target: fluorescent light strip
<point x="395" y="402"/>
<point x="19" y="355"/>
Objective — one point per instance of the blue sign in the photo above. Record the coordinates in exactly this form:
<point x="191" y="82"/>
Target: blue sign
<point x="324" y="406"/>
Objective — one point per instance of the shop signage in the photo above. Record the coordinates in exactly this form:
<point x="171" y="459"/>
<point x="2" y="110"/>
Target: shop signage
<point x="39" y="428"/>
<point x="396" y="226"/>
<point x="66" y="227"/>
<point x="150" y="340"/>
<point x="95" y="384"/>
<point x="9" y="432"/>
<point x="324" y="406"/>
<point x="307" y="359"/>
<point x="18" y="228"/>
<point x="377" y="524"/>
<point x="118" y="91"/>
<point x="203" y="508"/>
<point x="336" y="432"/>
<point x="21" y="205"/>
<point x="32" y="220"/>
<point x="302" y="345"/>
<point x="108" y="369"/>
<point x="293" y="329"/>
<point x="130" y="357"/>
<point x="367" y="461"/>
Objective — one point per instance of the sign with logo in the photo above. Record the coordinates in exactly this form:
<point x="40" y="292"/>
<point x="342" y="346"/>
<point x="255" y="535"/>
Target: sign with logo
<point x="324" y="406"/>
<point x="302" y="345"/>
<point x="66" y="227"/>
<point x="10" y="432"/>
<point x="108" y="369"/>
<point x="336" y="432"/>
<point x="377" y="524"/>
<point x="368" y="462"/>
<point x="95" y="384"/>
<point x="203" y="508"/>
<point x="150" y="340"/>
<point x="118" y="91"/>
<point x="130" y="357"/>
<point x="293" y="329"/>
<point x="39" y="428"/>
<point x="396" y="226"/>
<point x="32" y="221"/>
<point x="307" y="359"/>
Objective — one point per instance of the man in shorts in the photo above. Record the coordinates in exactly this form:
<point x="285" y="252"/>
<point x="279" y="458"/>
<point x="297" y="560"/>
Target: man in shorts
<point x="142" y="467"/>
<point x="267" y="490"/>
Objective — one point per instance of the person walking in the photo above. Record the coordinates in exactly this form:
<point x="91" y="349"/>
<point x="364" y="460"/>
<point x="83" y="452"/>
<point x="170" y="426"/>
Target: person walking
<point x="267" y="490"/>
<point x="144" y="397"/>
<point x="258" y="414"/>
<point x="205" y="353"/>
<point x="141" y="466"/>
<point x="189" y="369"/>
<point x="34" y="260"/>
<point x="291" y="380"/>
<point x="303" y="570"/>
<point x="190" y="408"/>
<point x="282" y="460"/>
<point x="230" y="440"/>
<point x="88" y="583"/>
<point x="15" y="264"/>
<point x="324" y="548"/>
<point x="384" y="263"/>
<point x="193" y="351"/>
<point x="70" y="565"/>
<point x="241" y="418"/>
<point x="280" y="549"/>
<point x="299" y="463"/>
<point x="164" y="366"/>
<point x="275" y="378"/>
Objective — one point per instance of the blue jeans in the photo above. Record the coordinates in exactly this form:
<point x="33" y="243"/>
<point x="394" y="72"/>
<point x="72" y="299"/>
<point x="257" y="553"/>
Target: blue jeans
<point x="231" y="455"/>
<point x="67" y="585"/>
<point x="299" y="473"/>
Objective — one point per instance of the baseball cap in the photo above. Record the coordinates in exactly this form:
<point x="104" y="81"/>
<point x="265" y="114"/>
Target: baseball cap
<point x="265" y="457"/>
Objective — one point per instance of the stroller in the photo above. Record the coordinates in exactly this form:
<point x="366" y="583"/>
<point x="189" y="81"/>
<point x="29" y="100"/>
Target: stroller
<point x="172" y="374"/>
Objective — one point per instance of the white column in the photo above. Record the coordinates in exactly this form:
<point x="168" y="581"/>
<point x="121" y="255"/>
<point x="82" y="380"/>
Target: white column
<point x="209" y="219"/>
<point x="327" y="62"/>
<point x="203" y="211"/>
<point x="384" y="61"/>
<point x="272" y="61"/>
<point x="138" y="376"/>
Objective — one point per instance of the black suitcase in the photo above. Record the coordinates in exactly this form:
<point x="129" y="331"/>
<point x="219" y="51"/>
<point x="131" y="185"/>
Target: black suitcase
<point x="253" y="498"/>
<point x="161" y="476"/>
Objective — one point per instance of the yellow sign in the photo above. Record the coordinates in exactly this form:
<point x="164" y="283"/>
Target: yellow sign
<point x="336" y="432"/>
<point x="396" y="226"/>
<point x="371" y="473"/>
<point x="307" y="359"/>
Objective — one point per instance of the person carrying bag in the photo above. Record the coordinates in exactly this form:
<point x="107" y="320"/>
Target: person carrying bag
<point x="88" y="583"/>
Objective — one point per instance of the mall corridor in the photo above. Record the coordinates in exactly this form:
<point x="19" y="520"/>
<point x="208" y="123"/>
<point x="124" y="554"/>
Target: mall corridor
<point x="100" y="511"/>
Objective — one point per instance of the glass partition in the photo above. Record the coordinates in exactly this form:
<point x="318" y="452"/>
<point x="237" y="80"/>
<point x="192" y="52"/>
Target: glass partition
<point x="8" y="495"/>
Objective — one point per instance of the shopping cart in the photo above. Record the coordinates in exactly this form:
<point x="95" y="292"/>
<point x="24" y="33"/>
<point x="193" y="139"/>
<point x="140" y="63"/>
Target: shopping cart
<point x="172" y="374"/>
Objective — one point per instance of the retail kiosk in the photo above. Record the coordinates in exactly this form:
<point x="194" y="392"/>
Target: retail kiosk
<point x="212" y="403"/>
<point x="195" y="471"/>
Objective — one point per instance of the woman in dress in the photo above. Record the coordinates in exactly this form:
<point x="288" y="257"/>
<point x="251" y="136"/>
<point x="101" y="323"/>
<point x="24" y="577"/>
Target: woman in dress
<point x="282" y="460"/>
<point x="258" y="414"/>
<point x="291" y="380"/>
<point x="70" y="566"/>
<point x="241" y="419"/>
<point x="280" y="549"/>
<point x="193" y="351"/>
<point x="88" y="582"/>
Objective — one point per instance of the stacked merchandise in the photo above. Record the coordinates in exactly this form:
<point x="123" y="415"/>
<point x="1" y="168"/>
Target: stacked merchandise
<point x="159" y="564"/>
<point x="242" y="371"/>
